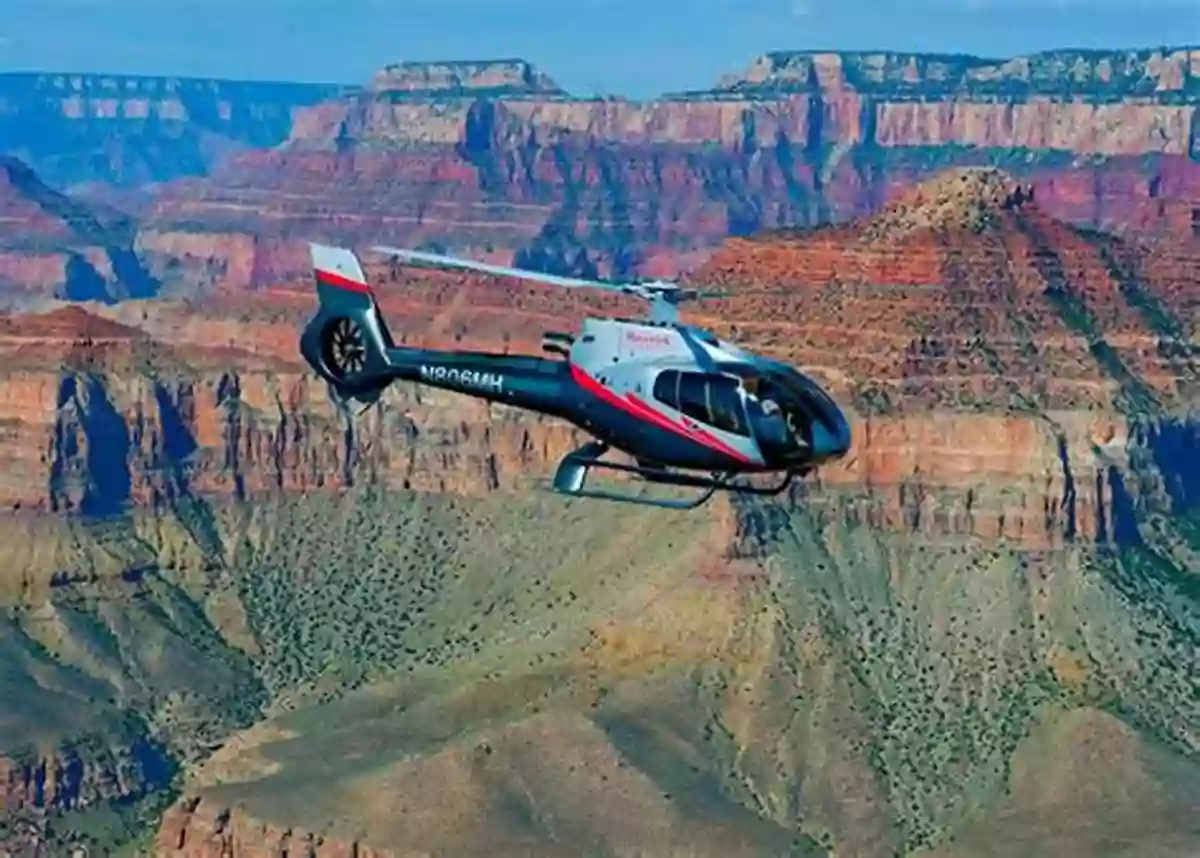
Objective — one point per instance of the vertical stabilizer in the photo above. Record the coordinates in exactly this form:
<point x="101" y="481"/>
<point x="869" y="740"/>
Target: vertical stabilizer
<point x="347" y="342"/>
<point x="341" y="283"/>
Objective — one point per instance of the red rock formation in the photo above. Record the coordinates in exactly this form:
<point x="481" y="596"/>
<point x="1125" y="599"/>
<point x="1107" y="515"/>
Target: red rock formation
<point x="54" y="245"/>
<point x="516" y="166"/>
<point x="945" y="321"/>
<point x="960" y="261"/>
<point x="495" y="159"/>
<point x="73" y="779"/>
<point x="197" y="829"/>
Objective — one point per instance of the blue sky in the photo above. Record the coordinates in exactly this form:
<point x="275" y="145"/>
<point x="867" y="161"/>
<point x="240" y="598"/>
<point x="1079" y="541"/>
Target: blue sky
<point x="637" y="48"/>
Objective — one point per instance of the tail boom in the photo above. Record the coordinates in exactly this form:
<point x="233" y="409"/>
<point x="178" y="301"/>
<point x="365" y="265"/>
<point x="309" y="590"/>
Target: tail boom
<point x="344" y="294"/>
<point x="523" y="381"/>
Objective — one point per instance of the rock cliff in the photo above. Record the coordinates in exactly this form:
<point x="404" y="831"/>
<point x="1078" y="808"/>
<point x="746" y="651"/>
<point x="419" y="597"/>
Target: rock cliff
<point x="519" y="168"/>
<point x="54" y="245"/>
<point x="495" y="158"/>
<point x="955" y="298"/>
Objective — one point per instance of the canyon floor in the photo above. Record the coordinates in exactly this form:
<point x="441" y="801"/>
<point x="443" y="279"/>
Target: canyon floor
<point x="234" y="625"/>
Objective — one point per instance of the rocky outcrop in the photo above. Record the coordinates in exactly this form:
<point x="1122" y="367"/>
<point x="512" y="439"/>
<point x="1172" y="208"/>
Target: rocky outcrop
<point x="1112" y="74"/>
<point x="967" y="278"/>
<point x="38" y="792"/>
<point x="200" y="829"/>
<point x="194" y="262"/>
<point x="484" y="78"/>
<point x="33" y="212"/>
<point x="56" y="246"/>
<point x="77" y="777"/>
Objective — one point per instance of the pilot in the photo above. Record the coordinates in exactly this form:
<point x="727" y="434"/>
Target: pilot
<point x="771" y="409"/>
<point x="754" y="393"/>
<point x="790" y="418"/>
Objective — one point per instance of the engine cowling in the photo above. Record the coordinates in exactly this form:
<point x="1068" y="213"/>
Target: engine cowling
<point x="557" y="343"/>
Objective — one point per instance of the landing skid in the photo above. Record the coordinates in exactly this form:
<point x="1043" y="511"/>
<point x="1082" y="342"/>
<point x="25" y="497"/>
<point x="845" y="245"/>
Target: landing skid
<point x="573" y="470"/>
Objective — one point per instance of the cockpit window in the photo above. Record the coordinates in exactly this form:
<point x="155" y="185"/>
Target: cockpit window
<point x="809" y="396"/>
<point x="711" y="399"/>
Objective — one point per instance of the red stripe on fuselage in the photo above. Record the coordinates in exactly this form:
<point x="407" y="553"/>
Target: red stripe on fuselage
<point x="704" y="435"/>
<point x="643" y="411"/>
<point x="337" y="281"/>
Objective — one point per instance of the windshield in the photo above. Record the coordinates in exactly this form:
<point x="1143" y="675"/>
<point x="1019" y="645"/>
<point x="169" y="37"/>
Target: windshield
<point x="774" y="406"/>
<point x="800" y="389"/>
<point x="790" y="413"/>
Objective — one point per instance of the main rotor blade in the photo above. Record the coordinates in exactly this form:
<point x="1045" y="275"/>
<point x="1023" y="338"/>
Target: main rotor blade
<point x="705" y="295"/>
<point x="499" y="270"/>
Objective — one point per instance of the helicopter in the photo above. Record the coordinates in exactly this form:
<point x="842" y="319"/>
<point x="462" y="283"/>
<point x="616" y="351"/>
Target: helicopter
<point x="691" y="410"/>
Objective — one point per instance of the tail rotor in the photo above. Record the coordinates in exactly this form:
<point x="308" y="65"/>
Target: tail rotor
<point x="344" y="348"/>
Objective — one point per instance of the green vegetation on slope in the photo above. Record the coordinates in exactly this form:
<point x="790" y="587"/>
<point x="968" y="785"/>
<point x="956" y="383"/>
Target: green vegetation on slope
<point x="948" y="652"/>
<point x="112" y="676"/>
<point x="340" y="590"/>
<point x="868" y="690"/>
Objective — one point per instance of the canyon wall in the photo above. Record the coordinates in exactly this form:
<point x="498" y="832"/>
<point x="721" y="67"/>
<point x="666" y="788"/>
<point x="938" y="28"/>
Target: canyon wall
<point x="496" y="159"/>
<point x="128" y="130"/>
<point x="949" y="307"/>
<point x="1107" y="139"/>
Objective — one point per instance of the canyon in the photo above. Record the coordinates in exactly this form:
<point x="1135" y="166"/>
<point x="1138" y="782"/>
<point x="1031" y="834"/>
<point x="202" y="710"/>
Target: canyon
<point x="235" y="624"/>
<point x="173" y="473"/>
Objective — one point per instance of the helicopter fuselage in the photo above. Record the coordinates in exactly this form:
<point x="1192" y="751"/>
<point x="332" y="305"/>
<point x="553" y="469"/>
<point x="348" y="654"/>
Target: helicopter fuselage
<point x="636" y="386"/>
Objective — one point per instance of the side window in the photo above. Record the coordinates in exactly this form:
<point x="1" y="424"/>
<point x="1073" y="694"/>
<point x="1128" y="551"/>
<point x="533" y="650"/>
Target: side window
<point x="666" y="388"/>
<point x="725" y="406"/>
<point x="693" y="396"/>
<point x="708" y="399"/>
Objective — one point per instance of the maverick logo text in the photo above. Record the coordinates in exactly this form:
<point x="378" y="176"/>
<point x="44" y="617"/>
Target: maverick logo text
<point x="463" y="378"/>
<point x="643" y="338"/>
